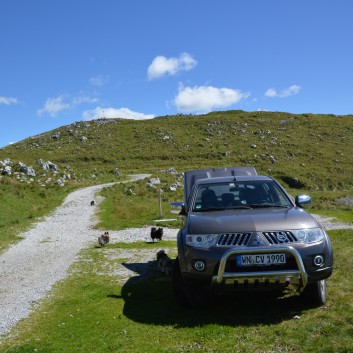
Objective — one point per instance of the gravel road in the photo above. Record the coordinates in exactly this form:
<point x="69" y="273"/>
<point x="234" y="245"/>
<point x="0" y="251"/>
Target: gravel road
<point x="31" y="267"/>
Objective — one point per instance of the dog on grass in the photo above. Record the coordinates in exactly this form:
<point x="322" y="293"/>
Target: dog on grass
<point x="103" y="239"/>
<point x="164" y="262"/>
<point x="156" y="233"/>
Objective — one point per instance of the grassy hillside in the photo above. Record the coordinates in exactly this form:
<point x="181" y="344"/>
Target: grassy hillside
<point x="314" y="148"/>
<point x="307" y="153"/>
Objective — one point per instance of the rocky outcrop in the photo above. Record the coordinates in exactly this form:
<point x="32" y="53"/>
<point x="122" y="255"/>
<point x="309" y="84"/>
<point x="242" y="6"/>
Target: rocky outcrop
<point x="29" y="171"/>
<point x="28" y="174"/>
<point x="48" y="166"/>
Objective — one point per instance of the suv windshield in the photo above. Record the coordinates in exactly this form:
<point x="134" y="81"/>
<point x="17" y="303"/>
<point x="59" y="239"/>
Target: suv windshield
<point x="239" y="194"/>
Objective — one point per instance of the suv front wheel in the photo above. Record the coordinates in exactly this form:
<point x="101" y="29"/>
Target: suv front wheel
<point x="315" y="293"/>
<point x="192" y="296"/>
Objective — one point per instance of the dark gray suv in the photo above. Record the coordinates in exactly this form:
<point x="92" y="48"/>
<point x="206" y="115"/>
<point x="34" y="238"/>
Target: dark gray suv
<point x="243" y="231"/>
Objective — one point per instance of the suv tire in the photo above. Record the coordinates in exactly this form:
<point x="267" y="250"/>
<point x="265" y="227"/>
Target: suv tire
<point x="315" y="293"/>
<point x="186" y="295"/>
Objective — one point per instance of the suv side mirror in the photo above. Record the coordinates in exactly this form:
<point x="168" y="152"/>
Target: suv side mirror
<point x="183" y="211"/>
<point x="301" y="200"/>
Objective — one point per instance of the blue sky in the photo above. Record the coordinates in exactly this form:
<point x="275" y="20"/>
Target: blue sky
<point x="71" y="60"/>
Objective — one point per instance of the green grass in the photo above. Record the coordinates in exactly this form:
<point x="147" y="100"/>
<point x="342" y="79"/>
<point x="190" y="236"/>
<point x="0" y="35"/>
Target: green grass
<point x="338" y="214"/>
<point x="166" y="244"/>
<point x="93" y="310"/>
<point x="136" y="204"/>
<point x="21" y="205"/>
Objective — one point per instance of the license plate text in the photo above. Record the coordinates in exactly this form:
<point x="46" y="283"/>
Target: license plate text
<point x="261" y="259"/>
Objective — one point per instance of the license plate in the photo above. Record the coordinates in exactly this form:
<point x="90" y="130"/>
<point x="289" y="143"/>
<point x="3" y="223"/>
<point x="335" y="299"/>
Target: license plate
<point x="261" y="259"/>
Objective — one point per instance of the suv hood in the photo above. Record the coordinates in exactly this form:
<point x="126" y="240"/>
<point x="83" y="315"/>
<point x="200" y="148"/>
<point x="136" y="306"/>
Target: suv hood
<point x="260" y="219"/>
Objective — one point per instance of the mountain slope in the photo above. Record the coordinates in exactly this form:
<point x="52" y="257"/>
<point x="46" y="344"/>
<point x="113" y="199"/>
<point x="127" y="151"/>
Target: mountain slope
<point x="312" y="149"/>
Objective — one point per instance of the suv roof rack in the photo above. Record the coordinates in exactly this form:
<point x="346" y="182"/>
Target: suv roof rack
<point x="191" y="176"/>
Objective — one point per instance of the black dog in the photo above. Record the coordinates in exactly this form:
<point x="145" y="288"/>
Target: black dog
<point x="92" y="203"/>
<point x="156" y="233"/>
<point x="164" y="262"/>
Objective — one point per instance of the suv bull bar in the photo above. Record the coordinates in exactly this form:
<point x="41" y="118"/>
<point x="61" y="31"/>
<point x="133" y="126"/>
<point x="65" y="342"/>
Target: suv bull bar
<point x="299" y="277"/>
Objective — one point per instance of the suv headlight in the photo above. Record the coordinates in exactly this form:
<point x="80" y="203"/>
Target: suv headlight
<point x="310" y="235"/>
<point x="201" y="240"/>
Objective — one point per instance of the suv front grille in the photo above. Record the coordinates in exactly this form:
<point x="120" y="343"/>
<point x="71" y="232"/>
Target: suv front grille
<point x="280" y="237"/>
<point x="234" y="239"/>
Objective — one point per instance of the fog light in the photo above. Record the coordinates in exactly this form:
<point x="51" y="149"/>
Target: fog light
<point x="199" y="265"/>
<point x="318" y="260"/>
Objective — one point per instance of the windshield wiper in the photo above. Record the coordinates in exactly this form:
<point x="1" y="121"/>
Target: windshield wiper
<point x="259" y="205"/>
<point x="239" y="208"/>
<point x="209" y="209"/>
<point x="224" y="208"/>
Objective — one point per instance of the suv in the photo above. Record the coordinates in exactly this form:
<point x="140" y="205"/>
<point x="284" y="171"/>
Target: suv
<point x="240" y="231"/>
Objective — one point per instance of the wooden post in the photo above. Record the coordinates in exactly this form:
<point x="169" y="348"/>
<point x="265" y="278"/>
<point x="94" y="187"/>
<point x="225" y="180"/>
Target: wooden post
<point x="160" y="203"/>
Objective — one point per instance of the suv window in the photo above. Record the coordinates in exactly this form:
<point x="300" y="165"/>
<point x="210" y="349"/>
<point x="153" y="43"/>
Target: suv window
<point x="239" y="194"/>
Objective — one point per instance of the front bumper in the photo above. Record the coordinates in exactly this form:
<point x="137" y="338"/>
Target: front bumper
<point x="295" y="277"/>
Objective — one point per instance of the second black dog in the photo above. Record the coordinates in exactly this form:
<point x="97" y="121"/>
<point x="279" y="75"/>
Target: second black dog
<point x="156" y="233"/>
<point x="164" y="262"/>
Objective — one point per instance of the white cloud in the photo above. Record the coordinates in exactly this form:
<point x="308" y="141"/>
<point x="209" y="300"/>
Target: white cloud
<point x="83" y="99"/>
<point x="8" y="100"/>
<point x="98" y="80"/>
<point x="113" y="113"/>
<point x="290" y="91"/>
<point x="161" y="65"/>
<point x="206" y="98"/>
<point x="53" y="106"/>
